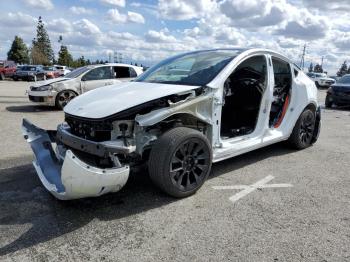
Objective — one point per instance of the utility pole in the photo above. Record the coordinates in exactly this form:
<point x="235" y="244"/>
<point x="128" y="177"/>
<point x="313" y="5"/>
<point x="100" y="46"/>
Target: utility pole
<point x="118" y="57"/>
<point x="322" y="61"/>
<point x="302" y="61"/>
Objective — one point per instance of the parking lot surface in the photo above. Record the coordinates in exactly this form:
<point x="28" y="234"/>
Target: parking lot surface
<point x="307" y="219"/>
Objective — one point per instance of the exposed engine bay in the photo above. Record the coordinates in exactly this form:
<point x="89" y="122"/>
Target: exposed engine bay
<point x="118" y="139"/>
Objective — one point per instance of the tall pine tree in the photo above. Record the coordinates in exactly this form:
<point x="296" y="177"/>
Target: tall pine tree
<point x="318" y="68"/>
<point x="343" y="69"/>
<point x="64" y="57"/>
<point x="41" y="52"/>
<point x="18" y="51"/>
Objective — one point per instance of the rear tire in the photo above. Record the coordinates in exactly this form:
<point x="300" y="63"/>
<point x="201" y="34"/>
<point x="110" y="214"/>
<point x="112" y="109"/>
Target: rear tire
<point x="327" y="102"/>
<point x="180" y="161"/>
<point x="303" y="130"/>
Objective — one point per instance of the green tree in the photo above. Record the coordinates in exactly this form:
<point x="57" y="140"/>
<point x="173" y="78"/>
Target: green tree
<point x="64" y="57"/>
<point x="311" y="68"/>
<point x="18" y="51"/>
<point x="343" y="69"/>
<point x="318" y="68"/>
<point x="41" y="52"/>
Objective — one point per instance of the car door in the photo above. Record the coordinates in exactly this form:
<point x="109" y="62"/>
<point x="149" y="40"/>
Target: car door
<point x="97" y="77"/>
<point x="124" y="73"/>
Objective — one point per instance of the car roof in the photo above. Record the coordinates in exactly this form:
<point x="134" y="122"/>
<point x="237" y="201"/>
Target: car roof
<point x="121" y="64"/>
<point x="244" y="52"/>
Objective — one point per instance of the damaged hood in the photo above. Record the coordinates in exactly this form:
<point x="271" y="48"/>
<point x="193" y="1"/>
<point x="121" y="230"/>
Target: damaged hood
<point x="108" y="100"/>
<point x="50" y="81"/>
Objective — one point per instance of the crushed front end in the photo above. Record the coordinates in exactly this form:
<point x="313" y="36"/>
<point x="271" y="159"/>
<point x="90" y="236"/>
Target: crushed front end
<point x="72" y="167"/>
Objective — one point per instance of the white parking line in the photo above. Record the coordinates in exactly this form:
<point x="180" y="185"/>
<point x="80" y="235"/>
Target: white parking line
<point x="246" y="189"/>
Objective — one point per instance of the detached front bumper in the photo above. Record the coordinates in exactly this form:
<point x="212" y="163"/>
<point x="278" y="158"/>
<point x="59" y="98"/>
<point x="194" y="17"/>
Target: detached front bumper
<point x="70" y="178"/>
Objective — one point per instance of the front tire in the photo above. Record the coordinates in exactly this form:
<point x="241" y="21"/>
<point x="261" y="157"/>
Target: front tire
<point x="63" y="98"/>
<point x="180" y="161"/>
<point x="2" y="76"/>
<point x="303" y="130"/>
<point x="317" y="85"/>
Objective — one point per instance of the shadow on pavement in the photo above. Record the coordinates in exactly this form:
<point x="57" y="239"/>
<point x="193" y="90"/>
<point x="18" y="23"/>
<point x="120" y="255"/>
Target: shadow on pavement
<point x="30" y="109"/>
<point x="23" y="200"/>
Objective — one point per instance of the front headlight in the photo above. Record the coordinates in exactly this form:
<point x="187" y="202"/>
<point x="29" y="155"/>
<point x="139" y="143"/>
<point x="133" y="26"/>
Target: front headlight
<point x="44" y="88"/>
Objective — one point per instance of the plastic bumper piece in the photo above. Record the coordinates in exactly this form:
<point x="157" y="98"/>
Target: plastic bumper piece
<point x="71" y="178"/>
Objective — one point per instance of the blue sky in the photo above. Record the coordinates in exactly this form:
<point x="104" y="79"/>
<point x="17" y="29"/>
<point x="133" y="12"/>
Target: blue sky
<point x="150" y="30"/>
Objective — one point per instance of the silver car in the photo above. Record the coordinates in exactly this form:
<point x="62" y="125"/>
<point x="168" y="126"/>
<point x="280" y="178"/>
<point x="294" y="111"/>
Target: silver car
<point x="59" y="91"/>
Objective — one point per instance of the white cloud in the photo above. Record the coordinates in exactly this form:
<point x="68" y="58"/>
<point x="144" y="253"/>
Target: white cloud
<point x="19" y="18"/>
<point x="86" y="27"/>
<point x="184" y="9"/>
<point x="114" y="16"/>
<point x="120" y="3"/>
<point x="79" y="10"/>
<point x="306" y="26"/>
<point x="154" y="36"/>
<point x="136" y="18"/>
<point x="41" y="4"/>
<point x="59" y="25"/>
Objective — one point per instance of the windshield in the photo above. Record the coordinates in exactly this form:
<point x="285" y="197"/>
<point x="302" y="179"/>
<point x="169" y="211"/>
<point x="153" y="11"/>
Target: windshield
<point x="197" y="68"/>
<point x="48" y="68"/>
<point x="28" y="68"/>
<point x="77" y="72"/>
<point x="344" y="80"/>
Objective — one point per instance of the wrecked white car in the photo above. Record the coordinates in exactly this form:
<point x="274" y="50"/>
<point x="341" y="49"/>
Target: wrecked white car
<point x="60" y="91"/>
<point x="180" y="116"/>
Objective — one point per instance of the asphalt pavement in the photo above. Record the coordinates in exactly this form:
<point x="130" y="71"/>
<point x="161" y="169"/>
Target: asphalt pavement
<point x="296" y="208"/>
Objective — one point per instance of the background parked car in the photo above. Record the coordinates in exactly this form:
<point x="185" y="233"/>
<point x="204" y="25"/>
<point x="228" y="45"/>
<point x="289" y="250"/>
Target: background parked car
<point x="51" y="72"/>
<point x="321" y="79"/>
<point x="63" y="70"/>
<point x="339" y="93"/>
<point x="30" y="73"/>
<point x="58" y="92"/>
<point x="7" y="69"/>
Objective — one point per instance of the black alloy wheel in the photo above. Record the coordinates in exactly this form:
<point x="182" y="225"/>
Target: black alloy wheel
<point x="303" y="130"/>
<point x="307" y="128"/>
<point x="180" y="161"/>
<point x="189" y="165"/>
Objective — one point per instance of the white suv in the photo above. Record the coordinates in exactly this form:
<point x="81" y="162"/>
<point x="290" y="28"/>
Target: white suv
<point x="59" y="91"/>
<point x="321" y="79"/>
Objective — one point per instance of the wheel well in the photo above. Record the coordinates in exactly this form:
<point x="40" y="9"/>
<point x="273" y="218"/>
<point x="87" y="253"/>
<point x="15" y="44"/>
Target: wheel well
<point x="179" y="120"/>
<point x="188" y="120"/>
<point x="312" y="107"/>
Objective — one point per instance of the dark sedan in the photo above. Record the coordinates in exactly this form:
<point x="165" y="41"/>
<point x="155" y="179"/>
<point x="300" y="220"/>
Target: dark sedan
<point x="339" y="93"/>
<point x="29" y="73"/>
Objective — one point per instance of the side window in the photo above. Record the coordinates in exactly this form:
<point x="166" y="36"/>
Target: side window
<point x="132" y="72"/>
<point x="121" y="72"/>
<point x="281" y="91"/>
<point x="98" y="73"/>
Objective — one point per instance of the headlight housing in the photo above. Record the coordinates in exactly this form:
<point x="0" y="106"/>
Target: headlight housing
<point x="44" y="88"/>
